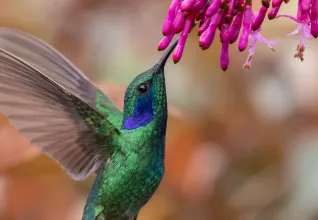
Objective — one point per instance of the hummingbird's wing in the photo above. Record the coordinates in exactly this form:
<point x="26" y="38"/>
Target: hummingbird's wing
<point x="49" y="61"/>
<point x="56" y="116"/>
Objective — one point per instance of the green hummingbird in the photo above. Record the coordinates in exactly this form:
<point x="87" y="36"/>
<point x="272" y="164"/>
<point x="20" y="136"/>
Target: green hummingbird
<point x="63" y="113"/>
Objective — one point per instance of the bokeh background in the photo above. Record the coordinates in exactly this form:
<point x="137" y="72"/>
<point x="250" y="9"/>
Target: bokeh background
<point x="241" y="145"/>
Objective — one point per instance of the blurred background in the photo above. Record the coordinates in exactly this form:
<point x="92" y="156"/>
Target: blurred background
<point x="241" y="145"/>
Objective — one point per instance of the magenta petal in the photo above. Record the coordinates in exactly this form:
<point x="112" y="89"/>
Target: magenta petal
<point x="305" y="5"/>
<point x="273" y="12"/>
<point x="199" y="4"/>
<point x="224" y="30"/>
<point x="227" y="34"/>
<point x="167" y="25"/>
<point x="260" y="18"/>
<point x="206" y="39"/>
<point x="243" y="40"/>
<point x="302" y="15"/>
<point x="207" y="36"/>
<point x="224" y="58"/>
<point x="213" y="8"/>
<point x="182" y="40"/>
<point x="216" y="20"/>
<point x="202" y="20"/>
<point x="179" y="21"/>
<point x="204" y="26"/>
<point x="314" y="18"/>
<point x="165" y="41"/>
<point x="187" y="5"/>
<point x="232" y="12"/>
<point x="178" y="53"/>
<point x="246" y="28"/>
<point x="276" y="3"/>
<point x="237" y="24"/>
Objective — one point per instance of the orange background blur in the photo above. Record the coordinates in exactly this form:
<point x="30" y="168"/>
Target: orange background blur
<point x="241" y="145"/>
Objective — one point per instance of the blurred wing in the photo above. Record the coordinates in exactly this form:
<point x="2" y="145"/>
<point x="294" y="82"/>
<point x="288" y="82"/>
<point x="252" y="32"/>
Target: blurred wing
<point x="58" y="122"/>
<point x="49" y="61"/>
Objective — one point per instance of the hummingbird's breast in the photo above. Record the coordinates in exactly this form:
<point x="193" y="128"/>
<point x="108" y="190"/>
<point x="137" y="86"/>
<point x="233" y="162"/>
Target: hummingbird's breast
<point x="129" y="180"/>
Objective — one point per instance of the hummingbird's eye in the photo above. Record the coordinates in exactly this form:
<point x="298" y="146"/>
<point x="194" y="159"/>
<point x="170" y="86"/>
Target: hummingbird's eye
<point x="143" y="88"/>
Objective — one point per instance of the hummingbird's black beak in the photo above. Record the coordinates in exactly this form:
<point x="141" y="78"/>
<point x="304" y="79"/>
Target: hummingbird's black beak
<point x="162" y="62"/>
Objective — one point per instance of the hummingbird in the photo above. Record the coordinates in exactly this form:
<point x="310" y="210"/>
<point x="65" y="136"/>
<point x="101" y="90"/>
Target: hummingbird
<point x="59" y="110"/>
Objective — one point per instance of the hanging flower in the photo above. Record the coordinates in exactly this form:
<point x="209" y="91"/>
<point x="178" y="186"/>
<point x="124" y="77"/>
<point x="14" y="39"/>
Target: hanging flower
<point x="229" y="18"/>
<point x="255" y="37"/>
<point x="305" y="28"/>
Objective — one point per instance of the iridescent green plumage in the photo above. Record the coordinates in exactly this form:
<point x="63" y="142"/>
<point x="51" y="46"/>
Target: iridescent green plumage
<point x="54" y="105"/>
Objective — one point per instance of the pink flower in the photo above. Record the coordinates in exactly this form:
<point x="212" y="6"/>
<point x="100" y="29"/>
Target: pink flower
<point x="256" y="37"/>
<point x="305" y="35"/>
<point x="303" y="28"/>
<point x="229" y="18"/>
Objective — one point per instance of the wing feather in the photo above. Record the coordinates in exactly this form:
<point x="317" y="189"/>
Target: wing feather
<point x="60" y="123"/>
<point x="53" y="64"/>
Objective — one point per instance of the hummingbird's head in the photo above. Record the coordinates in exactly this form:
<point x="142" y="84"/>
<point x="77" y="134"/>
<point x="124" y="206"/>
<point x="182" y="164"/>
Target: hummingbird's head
<point x="145" y="98"/>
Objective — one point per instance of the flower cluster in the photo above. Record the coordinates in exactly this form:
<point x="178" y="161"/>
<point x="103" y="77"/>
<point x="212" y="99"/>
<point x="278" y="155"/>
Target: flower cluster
<point x="236" y="22"/>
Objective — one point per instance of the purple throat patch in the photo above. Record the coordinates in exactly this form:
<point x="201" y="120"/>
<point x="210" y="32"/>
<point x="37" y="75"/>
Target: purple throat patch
<point x="137" y="121"/>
